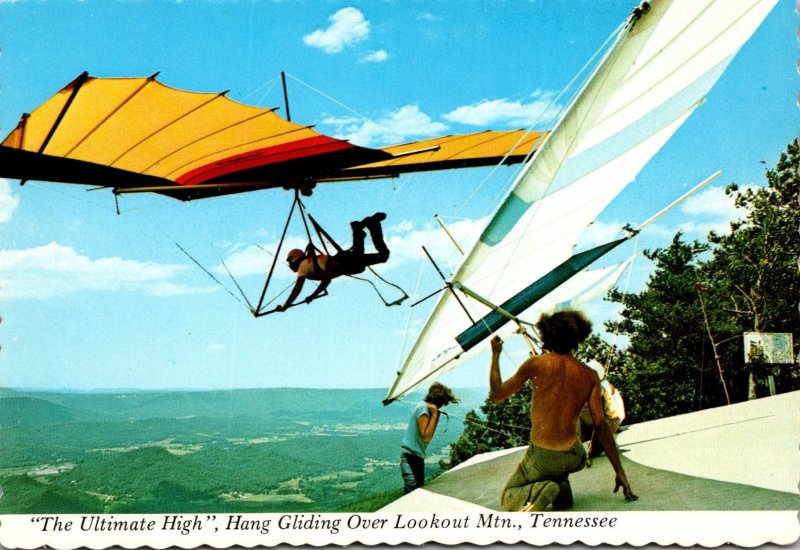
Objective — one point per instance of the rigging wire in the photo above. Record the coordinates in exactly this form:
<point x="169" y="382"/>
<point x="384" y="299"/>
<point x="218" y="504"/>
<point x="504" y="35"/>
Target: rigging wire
<point x="521" y="330"/>
<point x="537" y="204"/>
<point x="206" y="271"/>
<point x="534" y="151"/>
<point x="407" y="179"/>
<point x="329" y="98"/>
<point x="371" y="269"/>
<point x="613" y="36"/>
<point x="151" y="228"/>
<point x="407" y="329"/>
<point x="268" y="86"/>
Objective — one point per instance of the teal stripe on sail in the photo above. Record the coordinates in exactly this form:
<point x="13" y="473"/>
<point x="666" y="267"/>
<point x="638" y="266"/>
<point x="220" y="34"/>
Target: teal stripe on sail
<point x="512" y="209"/>
<point x="532" y="294"/>
<point x="615" y="146"/>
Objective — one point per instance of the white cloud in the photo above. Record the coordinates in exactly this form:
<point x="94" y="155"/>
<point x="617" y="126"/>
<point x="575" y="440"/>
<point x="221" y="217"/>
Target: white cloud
<point x="396" y="127"/>
<point x="712" y="202"/>
<point x="708" y="210"/>
<point x="492" y="112"/>
<point x="54" y="270"/>
<point x="347" y="27"/>
<point x="342" y="122"/>
<point x="166" y="288"/>
<point x="257" y="259"/>
<point x="376" y="57"/>
<point x="402" y="227"/>
<point x="405" y="241"/>
<point x="8" y="201"/>
<point x="427" y="16"/>
<point x="660" y="232"/>
<point x="216" y="347"/>
<point x="699" y="230"/>
<point x="600" y="233"/>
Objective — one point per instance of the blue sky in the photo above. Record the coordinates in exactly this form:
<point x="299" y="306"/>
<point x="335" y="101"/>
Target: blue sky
<point x="92" y="299"/>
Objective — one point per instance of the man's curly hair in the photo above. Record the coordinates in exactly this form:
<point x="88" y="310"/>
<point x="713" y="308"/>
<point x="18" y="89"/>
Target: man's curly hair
<point x="563" y="330"/>
<point x="440" y="395"/>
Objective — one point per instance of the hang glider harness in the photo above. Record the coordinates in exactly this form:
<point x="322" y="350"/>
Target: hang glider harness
<point x="312" y="251"/>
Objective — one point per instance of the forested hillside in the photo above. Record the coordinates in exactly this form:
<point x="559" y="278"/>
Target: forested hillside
<point x="287" y="450"/>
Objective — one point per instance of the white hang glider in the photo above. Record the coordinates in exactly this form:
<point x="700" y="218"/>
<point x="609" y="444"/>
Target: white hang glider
<point x="666" y="57"/>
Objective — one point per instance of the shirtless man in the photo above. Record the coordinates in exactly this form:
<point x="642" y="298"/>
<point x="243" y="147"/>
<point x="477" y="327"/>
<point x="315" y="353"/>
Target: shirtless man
<point x="324" y="268"/>
<point x="561" y="387"/>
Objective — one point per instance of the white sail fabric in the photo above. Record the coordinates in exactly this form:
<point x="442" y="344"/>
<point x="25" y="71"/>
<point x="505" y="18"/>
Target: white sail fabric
<point x="657" y="72"/>
<point x="582" y="288"/>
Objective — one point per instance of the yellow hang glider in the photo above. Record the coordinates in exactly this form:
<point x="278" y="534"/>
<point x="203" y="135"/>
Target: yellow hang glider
<point x="134" y="135"/>
<point x="138" y="135"/>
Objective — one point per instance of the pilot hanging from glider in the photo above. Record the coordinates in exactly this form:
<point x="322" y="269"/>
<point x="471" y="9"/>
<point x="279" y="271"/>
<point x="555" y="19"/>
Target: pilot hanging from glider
<point x="324" y="268"/>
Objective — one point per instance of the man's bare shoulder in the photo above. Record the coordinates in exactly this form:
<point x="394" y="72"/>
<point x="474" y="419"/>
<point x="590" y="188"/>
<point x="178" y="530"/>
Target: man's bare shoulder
<point x="549" y="358"/>
<point x="561" y="361"/>
<point x="536" y="363"/>
<point x="308" y="267"/>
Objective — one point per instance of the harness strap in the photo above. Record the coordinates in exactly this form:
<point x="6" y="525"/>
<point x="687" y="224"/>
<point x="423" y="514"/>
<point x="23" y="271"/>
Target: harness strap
<point x="324" y="235"/>
<point x="311" y="248"/>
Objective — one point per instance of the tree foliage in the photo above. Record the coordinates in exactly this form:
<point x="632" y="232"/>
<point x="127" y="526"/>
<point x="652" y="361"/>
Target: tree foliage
<point x="758" y="259"/>
<point x="670" y="367"/>
<point x="755" y="267"/>
<point x="500" y="426"/>
<point x="685" y="327"/>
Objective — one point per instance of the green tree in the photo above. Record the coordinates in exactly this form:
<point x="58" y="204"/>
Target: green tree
<point x="685" y="327"/>
<point x="670" y="368"/>
<point x="754" y="267"/>
<point x="501" y="426"/>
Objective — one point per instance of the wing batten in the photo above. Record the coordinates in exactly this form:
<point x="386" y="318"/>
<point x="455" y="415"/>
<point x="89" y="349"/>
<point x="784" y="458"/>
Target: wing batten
<point x="108" y="117"/>
<point x="202" y="138"/>
<point x="184" y="175"/>
<point x="75" y="86"/>
<point x="164" y="127"/>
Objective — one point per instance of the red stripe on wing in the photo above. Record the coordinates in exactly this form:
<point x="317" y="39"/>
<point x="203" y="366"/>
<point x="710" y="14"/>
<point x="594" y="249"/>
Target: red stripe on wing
<point x="287" y="152"/>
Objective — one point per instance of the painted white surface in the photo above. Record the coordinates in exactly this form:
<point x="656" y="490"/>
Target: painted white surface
<point x="754" y="443"/>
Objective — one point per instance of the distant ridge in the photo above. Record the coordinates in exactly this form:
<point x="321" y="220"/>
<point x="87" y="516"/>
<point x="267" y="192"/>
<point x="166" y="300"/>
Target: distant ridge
<point x="31" y="411"/>
<point x="227" y="403"/>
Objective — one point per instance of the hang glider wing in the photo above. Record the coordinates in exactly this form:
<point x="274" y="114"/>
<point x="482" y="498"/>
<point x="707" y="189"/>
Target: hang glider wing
<point x="665" y="59"/>
<point x="138" y="135"/>
<point x="488" y="148"/>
